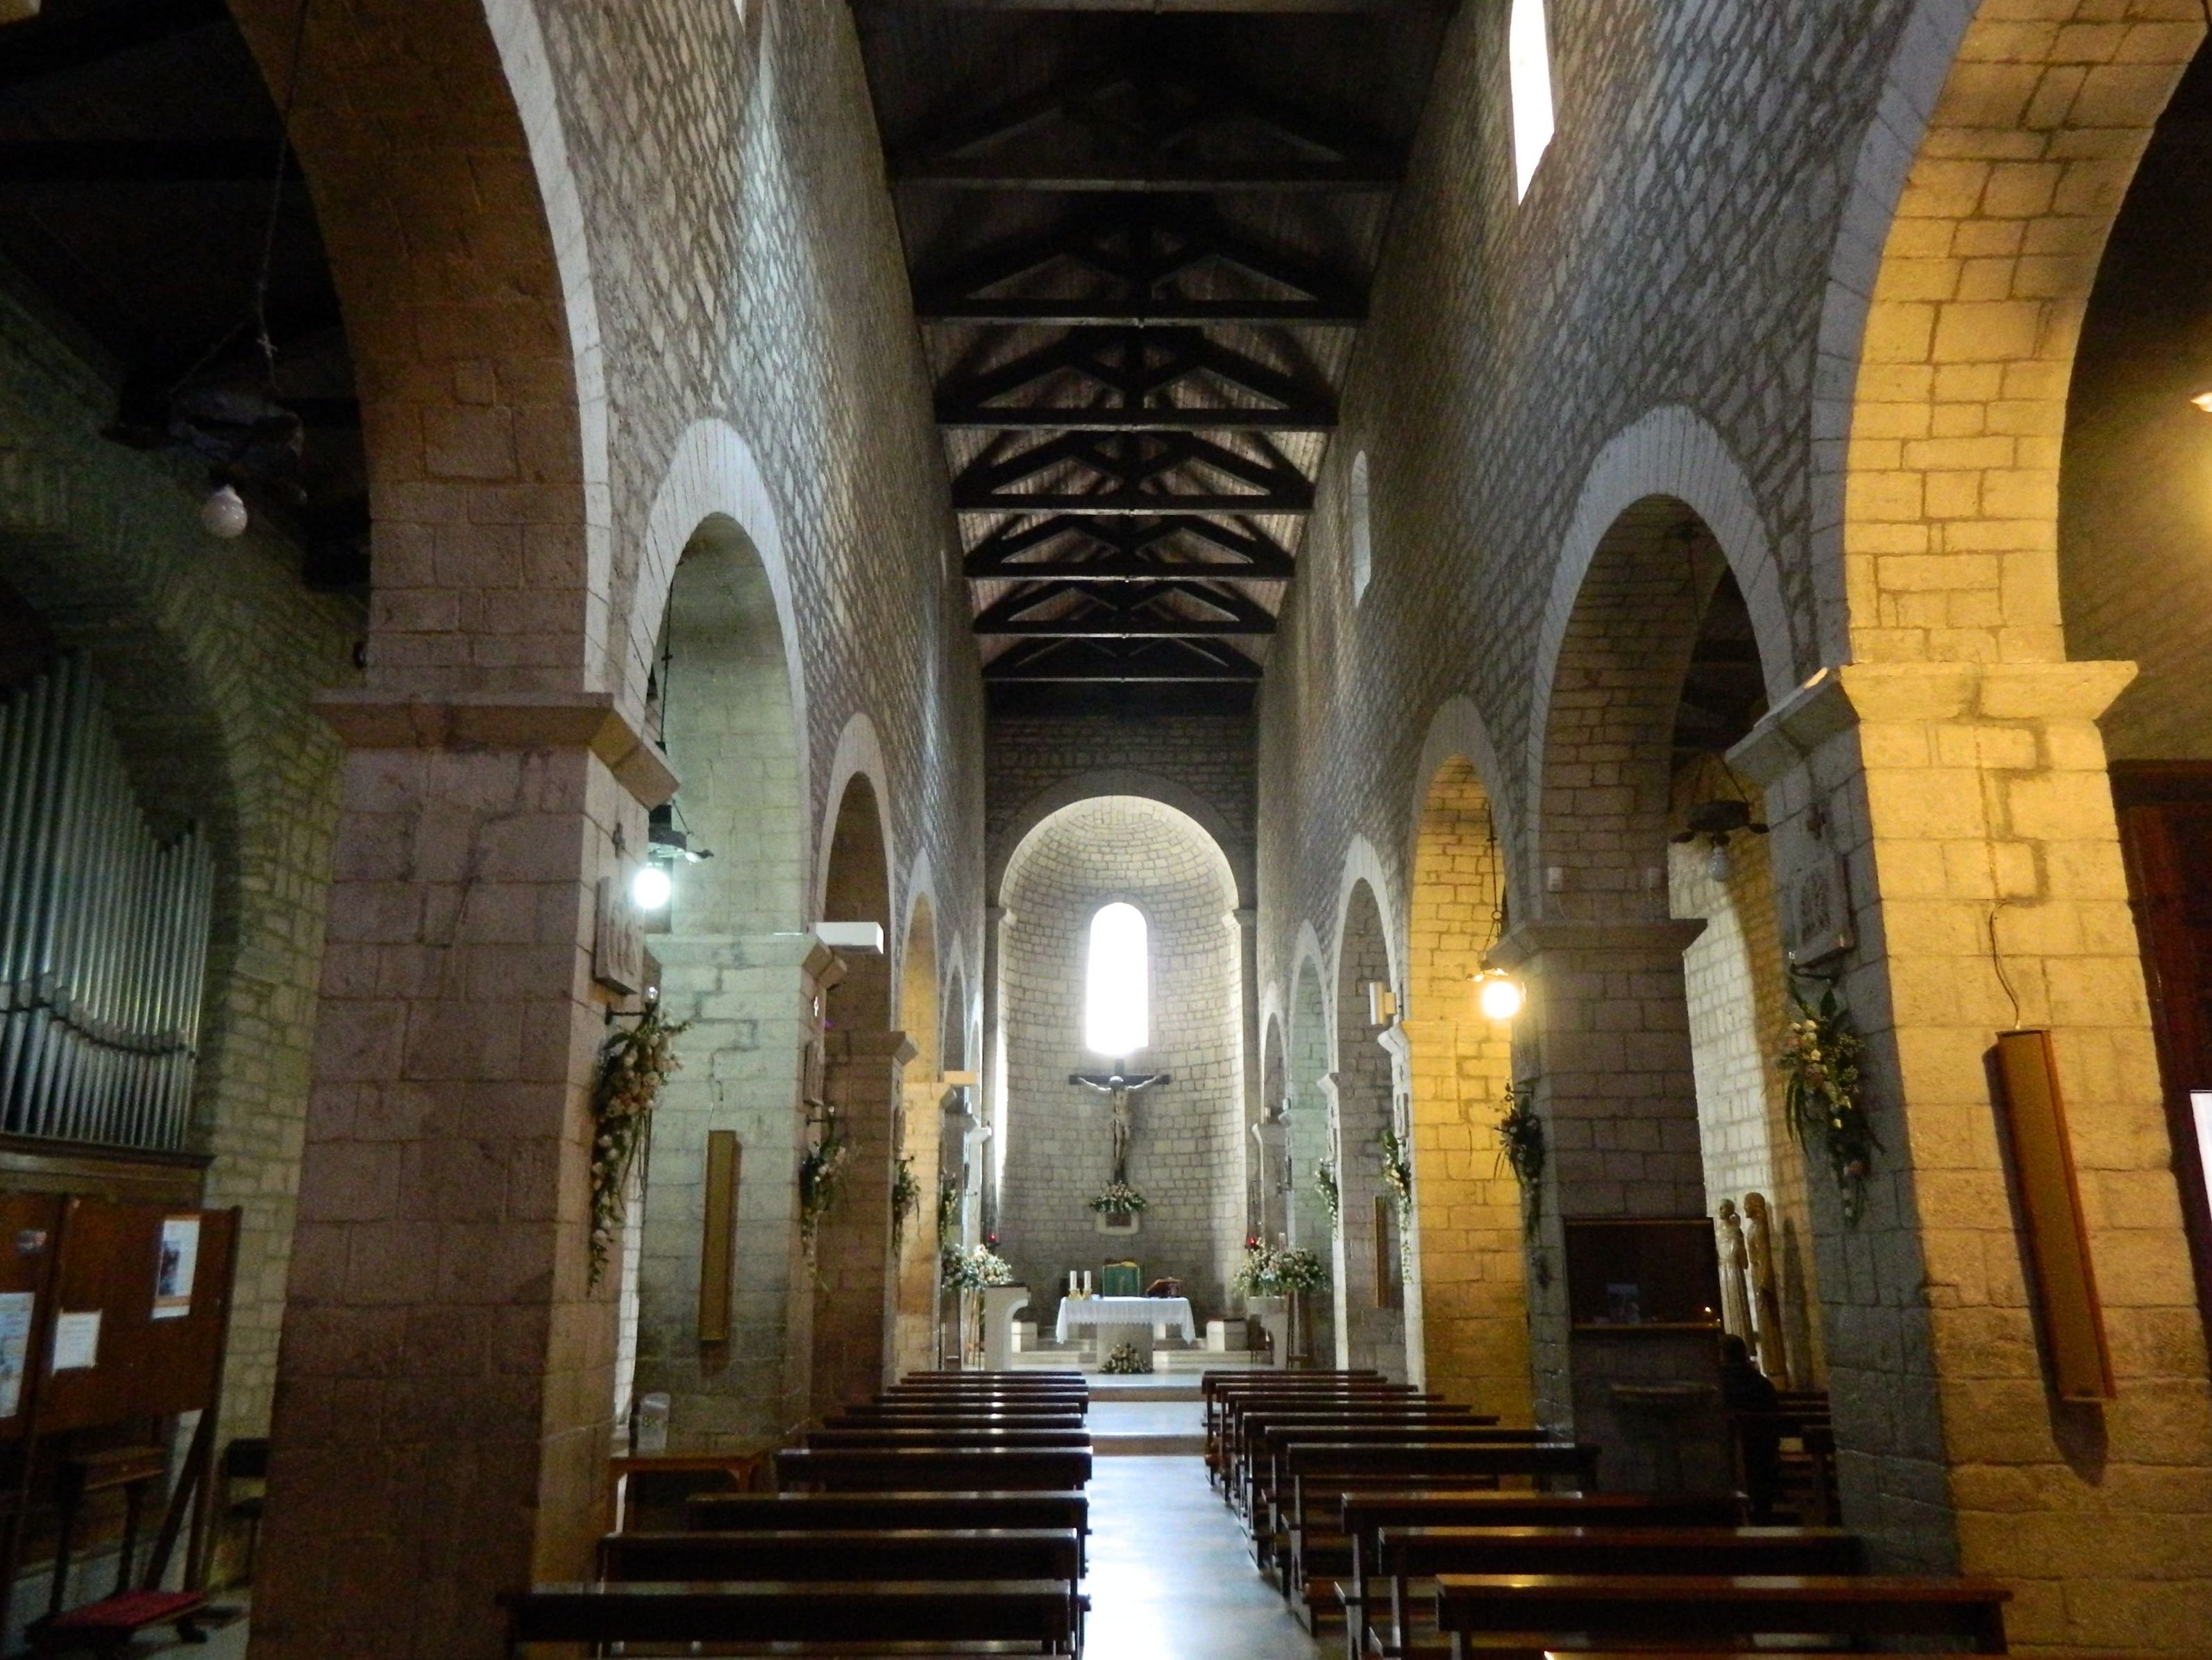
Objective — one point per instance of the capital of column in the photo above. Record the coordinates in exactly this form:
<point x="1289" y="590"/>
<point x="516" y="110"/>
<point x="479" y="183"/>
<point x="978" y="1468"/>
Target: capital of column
<point x="1532" y="940"/>
<point x="379" y="720"/>
<point x="895" y="1047"/>
<point x="1859" y="694"/>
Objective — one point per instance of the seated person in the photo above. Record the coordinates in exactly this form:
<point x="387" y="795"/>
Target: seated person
<point x="1744" y="1388"/>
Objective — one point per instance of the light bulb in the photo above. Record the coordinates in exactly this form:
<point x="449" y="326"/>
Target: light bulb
<point x="1498" y="995"/>
<point x="2203" y="401"/>
<point x="223" y="514"/>
<point x="1718" y="866"/>
<point x="650" y="888"/>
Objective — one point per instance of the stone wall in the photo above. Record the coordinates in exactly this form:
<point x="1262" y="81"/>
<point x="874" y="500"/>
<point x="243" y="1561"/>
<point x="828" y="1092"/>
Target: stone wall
<point x="209" y="652"/>
<point x="1187" y="1155"/>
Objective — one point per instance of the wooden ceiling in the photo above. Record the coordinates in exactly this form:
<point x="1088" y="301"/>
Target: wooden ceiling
<point x="140" y="162"/>
<point x="1140" y="238"/>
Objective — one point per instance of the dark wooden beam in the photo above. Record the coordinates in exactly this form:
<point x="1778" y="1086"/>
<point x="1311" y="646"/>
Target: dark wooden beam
<point x="1094" y="661"/>
<point x="1118" y="627"/>
<point x="140" y="160"/>
<point x="1123" y="503"/>
<point x="56" y="43"/>
<point x="999" y="418"/>
<point x="1141" y="314"/>
<point x="1112" y="572"/>
<point x="1154" y="178"/>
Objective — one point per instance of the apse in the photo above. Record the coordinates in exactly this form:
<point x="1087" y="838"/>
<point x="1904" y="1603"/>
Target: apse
<point x="1121" y="931"/>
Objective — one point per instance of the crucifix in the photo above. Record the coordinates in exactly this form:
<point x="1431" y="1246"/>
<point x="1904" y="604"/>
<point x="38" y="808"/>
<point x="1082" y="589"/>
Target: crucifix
<point x="1121" y="1089"/>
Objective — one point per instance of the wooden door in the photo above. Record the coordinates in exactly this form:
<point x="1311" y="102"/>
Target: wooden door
<point x="2166" y="831"/>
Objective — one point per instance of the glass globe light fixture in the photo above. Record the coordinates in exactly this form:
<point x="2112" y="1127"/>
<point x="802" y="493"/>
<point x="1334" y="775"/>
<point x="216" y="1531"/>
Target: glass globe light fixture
<point x="223" y="514"/>
<point x="1498" y="994"/>
<point x="1718" y="866"/>
<point x="651" y="888"/>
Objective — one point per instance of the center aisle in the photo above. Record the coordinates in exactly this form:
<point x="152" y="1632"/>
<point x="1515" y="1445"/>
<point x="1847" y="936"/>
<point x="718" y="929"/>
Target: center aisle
<point x="1170" y="1579"/>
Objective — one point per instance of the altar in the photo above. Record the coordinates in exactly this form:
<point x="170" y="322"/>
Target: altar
<point x="1119" y="1320"/>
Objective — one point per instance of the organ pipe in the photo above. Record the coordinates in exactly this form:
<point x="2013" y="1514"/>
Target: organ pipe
<point x="103" y="931"/>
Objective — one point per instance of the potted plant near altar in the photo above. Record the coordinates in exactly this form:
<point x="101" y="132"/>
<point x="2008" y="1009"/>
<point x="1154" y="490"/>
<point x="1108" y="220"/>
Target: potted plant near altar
<point x="970" y="1273"/>
<point x="1283" y="1277"/>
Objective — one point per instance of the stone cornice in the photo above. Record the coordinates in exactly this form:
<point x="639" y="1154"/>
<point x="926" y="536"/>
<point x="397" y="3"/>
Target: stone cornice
<point x="1534" y="939"/>
<point x="1837" y="699"/>
<point x="370" y="720"/>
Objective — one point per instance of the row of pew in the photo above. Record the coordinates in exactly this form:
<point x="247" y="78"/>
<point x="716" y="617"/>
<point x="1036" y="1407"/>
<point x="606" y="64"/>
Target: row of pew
<point x="949" y="1513"/>
<point x="1428" y="1530"/>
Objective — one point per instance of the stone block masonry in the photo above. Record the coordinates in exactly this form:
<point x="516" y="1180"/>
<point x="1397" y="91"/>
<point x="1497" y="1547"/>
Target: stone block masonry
<point x="1186" y="1153"/>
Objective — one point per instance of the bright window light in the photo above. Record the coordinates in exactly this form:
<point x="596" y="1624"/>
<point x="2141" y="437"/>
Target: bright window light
<point x="1117" y="999"/>
<point x="1529" y="60"/>
<point x="1363" y="530"/>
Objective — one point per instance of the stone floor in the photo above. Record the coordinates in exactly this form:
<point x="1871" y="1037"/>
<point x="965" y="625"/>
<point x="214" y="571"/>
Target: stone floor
<point x="1170" y="1579"/>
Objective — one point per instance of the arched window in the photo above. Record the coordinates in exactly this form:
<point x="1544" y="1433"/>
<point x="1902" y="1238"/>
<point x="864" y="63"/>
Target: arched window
<point x="1363" y="533"/>
<point x="1117" y="993"/>
<point x="1529" y="70"/>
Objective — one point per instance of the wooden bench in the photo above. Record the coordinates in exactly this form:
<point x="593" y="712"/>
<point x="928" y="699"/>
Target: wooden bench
<point x="979" y="1435"/>
<point x="892" y="1469"/>
<point x="1320" y="1474"/>
<point x="1248" y="1425"/>
<point x="927" y="1413"/>
<point x="1263" y="1463"/>
<point x="1324" y="1549"/>
<point x="1636" y="1607"/>
<point x="779" y="1512"/>
<point x="1383" y="1599"/>
<point x="824" y="1617"/>
<point x="1223" y="1422"/>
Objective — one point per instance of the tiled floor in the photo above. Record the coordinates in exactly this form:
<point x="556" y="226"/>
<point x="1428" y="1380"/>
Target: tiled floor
<point x="1111" y="1417"/>
<point x="1170" y="1579"/>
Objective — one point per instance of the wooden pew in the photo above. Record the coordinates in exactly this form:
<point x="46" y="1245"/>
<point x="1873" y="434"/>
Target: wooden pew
<point x="1637" y="1607"/>
<point x="779" y="1512"/>
<point x="824" y="1617"/>
<point x="1405" y="1555"/>
<point x="893" y="1469"/>
<point x="1217" y="1387"/>
<point x="877" y="1435"/>
<point x="1319" y="1473"/>
<point x="1230" y="1408"/>
<point x="1263" y="1473"/>
<point x="1327" y="1548"/>
<point x="925" y="1413"/>
<point x="1252" y="1418"/>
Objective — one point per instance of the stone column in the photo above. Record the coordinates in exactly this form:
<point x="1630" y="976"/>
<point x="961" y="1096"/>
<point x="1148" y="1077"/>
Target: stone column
<point x="1969" y="801"/>
<point x="447" y="1373"/>
<point x="1394" y="1041"/>
<point x="920" y="1132"/>
<point x="751" y="1002"/>
<point x="1605" y="1037"/>
<point x="854" y="1287"/>
<point x="1253" y="1106"/>
<point x="997" y="918"/>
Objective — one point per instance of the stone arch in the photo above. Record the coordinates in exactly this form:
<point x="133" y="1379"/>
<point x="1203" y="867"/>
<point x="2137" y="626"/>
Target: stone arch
<point x="1362" y="864"/>
<point x="1235" y="850"/>
<point x="863" y="1071"/>
<point x="1313" y="1131"/>
<point x="713" y="475"/>
<point x="1373" y="1277"/>
<point x="724" y="674"/>
<point x="456" y="238"/>
<point x="1188" y="1150"/>
<point x="1983" y="194"/>
<point x="1672" y="452"/>
<point x="860" y="755"/>
<point x="1474" y="1321"/>
<point x="1458" y="732"/>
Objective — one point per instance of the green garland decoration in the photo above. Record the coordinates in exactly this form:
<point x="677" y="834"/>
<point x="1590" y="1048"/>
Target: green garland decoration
<point x="633" y="1066"/>
<point x="1332" y="1197"/>
<point x="1520" y="1144"/>
<point x="1823" y="1091"/>
<point x="819" y="1173"/>
<point x="1398" y="1170"/>
<point x="906" y="1199"/>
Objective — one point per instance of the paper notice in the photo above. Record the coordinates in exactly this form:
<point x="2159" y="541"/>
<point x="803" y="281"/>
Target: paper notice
<point x="16" y="1307"/>
<point x="178" y="1261"/>
<point x="77" y="1341"/>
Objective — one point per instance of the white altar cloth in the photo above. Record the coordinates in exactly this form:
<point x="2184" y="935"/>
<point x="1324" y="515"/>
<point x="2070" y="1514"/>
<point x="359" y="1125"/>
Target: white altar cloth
<point x="1077" y="1314"/>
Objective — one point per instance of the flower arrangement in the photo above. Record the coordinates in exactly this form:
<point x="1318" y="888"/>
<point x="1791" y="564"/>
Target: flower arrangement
<point x="972" y="1270"/>
<point x="1332" y="1197"/>
<point x="906" y="1197"/>
<point x="1264" y="1272"/>
<point x="1398" y="1169"/>
<point x="1118" y="1199"/>
<point x="819" y="1173"/>
<point x="633" y="1066"/>
<point x="1821" y="1090"/>
<point x="1127" y="1361"/>
<point x="1520" y="1144"/>
<point x="948" y="1208"/>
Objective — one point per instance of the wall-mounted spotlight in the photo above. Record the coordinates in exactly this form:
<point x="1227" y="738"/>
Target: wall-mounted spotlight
<point x="2203" y="401"/>
<point x="1498" y="994"/>
<point x="651" y="888"/>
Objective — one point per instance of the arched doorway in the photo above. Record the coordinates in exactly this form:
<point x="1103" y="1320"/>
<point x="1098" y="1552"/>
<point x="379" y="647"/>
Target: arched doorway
<point x="921" y="1135"/>
<point x="1473" y="1318"/>
<point x="863" y="1069"/>
<point x="1370" y="1265"/>
<point x="733" y="966"/>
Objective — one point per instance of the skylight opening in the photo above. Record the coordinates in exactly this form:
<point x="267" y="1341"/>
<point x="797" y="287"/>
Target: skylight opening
<point x="1528" y="64"/>
<point x="1117" y="997"/>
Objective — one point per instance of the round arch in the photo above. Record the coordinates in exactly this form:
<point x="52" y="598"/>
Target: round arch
<point x="1458" y="732"/>
<point x="1120" y="780"/>
<point x="860" y="754"/>
<point x="1362" y="864"/>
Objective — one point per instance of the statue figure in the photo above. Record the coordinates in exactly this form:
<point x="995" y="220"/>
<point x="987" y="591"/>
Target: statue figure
<point x="1735" y="1303"/>
<point x="1766" y="1298"/>
<point x="1122" y="1090"/>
